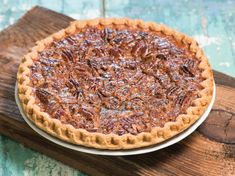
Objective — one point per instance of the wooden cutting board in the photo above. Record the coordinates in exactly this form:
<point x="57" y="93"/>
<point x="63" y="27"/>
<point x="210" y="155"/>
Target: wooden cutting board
<point x="208" y="151"/>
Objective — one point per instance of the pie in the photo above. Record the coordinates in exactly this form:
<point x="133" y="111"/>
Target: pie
<point x="115" y="83"/>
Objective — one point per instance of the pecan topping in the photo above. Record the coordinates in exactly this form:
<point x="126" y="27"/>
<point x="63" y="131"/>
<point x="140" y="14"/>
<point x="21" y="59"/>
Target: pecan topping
<point x="43" y="95"/>
<point x="108" y="89"/>
<point x="67" y="56"/>
<point x="72" y="83"/>
<point x="79" y="94"/>
<point x="144" y="51"/>
<point x="70" y="40"/>
<point x="114" y="52"/>
<point x="117" y="40"/>
<point x="140" y="48"/>
<point x="186" y="70"/>
<point x="87" y="112"/>
<point x="106" y="34"/>
<point x="115" y="80"/>
<point x="135" y="104"/>
<point x="172" y="89"/>
<point x="161" y="56"/>
<point x="190" y="63"/>
<point x="98" y="52"/>
<point x="60" y="114"/>
<point x="122" y="92"/>
<point x="99" y="63"/>
<point x="181" y="99"/>
<point x="111" y="103"/>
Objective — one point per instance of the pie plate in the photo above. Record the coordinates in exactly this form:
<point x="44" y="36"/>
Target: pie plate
<point x="143" y="150"/>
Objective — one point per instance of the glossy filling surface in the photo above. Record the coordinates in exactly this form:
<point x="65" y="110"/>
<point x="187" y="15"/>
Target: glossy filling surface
<point x="115" y="80"/>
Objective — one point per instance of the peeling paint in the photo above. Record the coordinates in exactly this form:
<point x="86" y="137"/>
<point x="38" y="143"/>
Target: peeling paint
<point x="225" y="64"/>
<point x="42" y="165"/>
<point x="206" y="41"/>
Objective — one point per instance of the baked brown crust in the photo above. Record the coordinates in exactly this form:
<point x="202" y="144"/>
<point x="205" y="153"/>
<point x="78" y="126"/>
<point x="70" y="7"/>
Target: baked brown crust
<point x="112" y="141"/>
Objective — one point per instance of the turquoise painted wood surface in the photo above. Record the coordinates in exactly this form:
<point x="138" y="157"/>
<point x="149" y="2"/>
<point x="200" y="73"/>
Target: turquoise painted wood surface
<point x="211" y="23"/>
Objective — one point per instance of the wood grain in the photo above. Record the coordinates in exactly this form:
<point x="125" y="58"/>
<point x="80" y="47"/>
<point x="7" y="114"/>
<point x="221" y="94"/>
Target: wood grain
<point x="208" y="151"/>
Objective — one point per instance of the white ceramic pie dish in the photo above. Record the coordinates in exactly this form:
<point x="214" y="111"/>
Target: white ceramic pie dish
<point x="152" y="148"/>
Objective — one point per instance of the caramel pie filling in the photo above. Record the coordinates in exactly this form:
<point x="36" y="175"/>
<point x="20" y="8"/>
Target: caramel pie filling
<point x="115" y="80"/>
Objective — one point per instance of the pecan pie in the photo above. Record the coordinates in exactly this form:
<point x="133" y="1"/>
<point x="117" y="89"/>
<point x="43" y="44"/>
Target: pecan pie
<point x="115" y="83"/>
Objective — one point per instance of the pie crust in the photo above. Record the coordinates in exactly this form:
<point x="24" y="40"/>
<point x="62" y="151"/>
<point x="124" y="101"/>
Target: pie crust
<point x="113" y="141"/>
